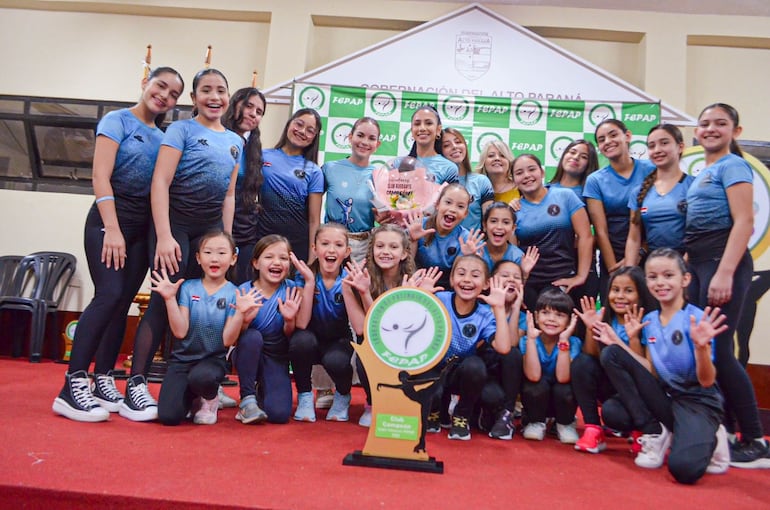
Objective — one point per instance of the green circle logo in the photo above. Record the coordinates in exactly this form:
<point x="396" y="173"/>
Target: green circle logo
<point x="558" y="145"/>
<point x="408" y="329"/>
<point x="638" y="149"/>
<point x="455" y="107"/>
<point x="312" y="97"/>
<point x="529" y="112"/>
<point x="600" y="112"/>
<point x="69" y="330"/>
<point x="383" y="103"/>
<point x="485" y="138"/>
<point x="340" y="135"/>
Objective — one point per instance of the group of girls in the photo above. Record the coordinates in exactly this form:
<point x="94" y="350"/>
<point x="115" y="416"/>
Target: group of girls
<point x="509" y="256"/>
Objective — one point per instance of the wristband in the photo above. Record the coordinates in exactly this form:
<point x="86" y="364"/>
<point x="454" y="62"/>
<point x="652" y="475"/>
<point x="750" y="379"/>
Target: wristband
<point x="104" y="198"/>
<point x="563" y="346"/>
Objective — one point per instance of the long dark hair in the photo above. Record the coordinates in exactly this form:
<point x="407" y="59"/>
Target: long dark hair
<point x="593" y="162"/>
<point x="253" y="178"/>
<point x="437" y="143"/>
<point x="733" y="114"/>
<point x="310" y="153"/>
<point x="465" y="164"/>
<point x="636" y="274"/>
<point x="161" y="117"/>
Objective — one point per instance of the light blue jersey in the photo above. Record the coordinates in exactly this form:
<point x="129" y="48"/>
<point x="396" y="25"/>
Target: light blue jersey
<point x="269" y="320"/>
<point x="348" y="195"/>
<point x="468" y="331"/>
<point x="512" y="254"/>
<point x="208" y="315"/>
<point x="577" y="190"/>
<point x="441" y="169"/>
<point x="548" y="360"/>
<point x="480" y="189"/>
<point x="441" y="252"/>
<point x="663" y="216"/>
<point x="329" y="320"/>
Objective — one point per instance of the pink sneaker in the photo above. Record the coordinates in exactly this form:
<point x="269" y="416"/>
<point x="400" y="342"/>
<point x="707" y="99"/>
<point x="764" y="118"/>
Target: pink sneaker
<point x="592" y="440"/>
<point x="207" y="414"/>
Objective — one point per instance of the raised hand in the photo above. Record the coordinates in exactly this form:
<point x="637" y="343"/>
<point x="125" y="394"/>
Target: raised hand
<point x="425" y="279"/>
<point x="358" y="276"/>
<point x="497" y="292"/>
<point x="248" y="303"/>
<point x="290" y="306"/>
<point x="604" y="333"/>
<point x="529" y="260"/>
<point x="302" y="268"/>
<point x="633" y="321"/>
<point x="532" y="331"/>
<point x="565" y="335"/>
<point x="160" y="283"/>
<point x="414" y="226"/>
<point x="711" y="324"/>
<point x="474" y="244"/>
<point x="589" y="315"/>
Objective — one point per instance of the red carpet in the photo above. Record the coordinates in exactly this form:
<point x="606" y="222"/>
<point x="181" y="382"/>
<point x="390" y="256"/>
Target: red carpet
<point x="50" y="462"/>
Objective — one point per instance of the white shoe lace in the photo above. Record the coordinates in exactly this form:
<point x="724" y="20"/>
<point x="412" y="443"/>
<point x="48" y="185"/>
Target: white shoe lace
<point x="107" y="388"/>
<point x="81" y="392"/>
<point x="141" y="396"/>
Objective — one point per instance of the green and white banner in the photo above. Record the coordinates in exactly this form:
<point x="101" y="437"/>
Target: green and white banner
<point x="541" y="127"/>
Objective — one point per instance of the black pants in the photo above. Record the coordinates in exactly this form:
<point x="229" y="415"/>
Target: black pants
<point x="590" y="385"/>
<point x="693" y="416"/>
<point x="307" y="349"/>
<point x="731" y="376"/>
<point x="504" y="374"/>
<point x="103" y="323"/>
<point x="545" y="398"/>
<point x="185" y="381"/>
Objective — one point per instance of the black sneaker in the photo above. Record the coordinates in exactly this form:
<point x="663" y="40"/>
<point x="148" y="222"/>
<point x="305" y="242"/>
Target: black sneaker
<point x="750" y="455"/>
<point x="434" y="422"/>
<point x="75" y="400"/>
<point x="106" y="393"/>
<point x="486" y="420"/>
<point x="503" y="427"/>
<point x="461" y="429"/>
<point x="138" y="404"/>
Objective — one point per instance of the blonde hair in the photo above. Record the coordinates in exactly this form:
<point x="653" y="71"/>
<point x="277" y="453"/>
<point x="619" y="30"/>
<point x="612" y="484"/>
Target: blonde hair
<point x="503" y="149"/>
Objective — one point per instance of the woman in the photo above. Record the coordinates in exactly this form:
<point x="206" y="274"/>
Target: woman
<point x="426" y="131"/>
<point x="496" y="162"/>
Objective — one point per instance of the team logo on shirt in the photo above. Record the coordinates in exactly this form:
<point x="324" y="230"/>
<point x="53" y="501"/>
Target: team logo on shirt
<point x="234" y="152"/>
<point x="139" y="138"/>
<point x="221" y="303"/>
<point x="338" y="298"/>
<point x="554" y="210"/>
<point x="682" y="206"/>
<point x="677" y="337"/>
<point x="203" y="142"/>
<point x="469" y="330"/>
<point x="451" y="250"/>
<point x="299" y="173"/>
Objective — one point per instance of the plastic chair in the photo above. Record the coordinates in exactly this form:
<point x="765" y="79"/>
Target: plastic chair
<point x="8" y="266"/>
<point x="38" y="287"/>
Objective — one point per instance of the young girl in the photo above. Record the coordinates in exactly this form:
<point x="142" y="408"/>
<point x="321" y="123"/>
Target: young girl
<point x="324" y="337"/>
<point x="499" y="224"/>
<point x="243" y="116"/>
<point x="720" y="219"/>
<point x="551" y="219"/>
<point x="659" y="206"/>
<point x="116" y="234"/>
<point x="627" y="295"/>
<point x="684" y="398"/>
<point x="607" y="192"/>
<point x="348" y="197"/>
<point x="426" y="131"/>
<point x="438" y="240"/>
<point x="577" y="162"/>
<point x="455" y="149"/>
<point x="474" y="324"/>
<point x="548" y="350"/>
<point x="193" y="192"/>
<point x="262" y="353"/>
<point x="205" y="321"/>
<point x="293" y="183"/>
<point x="496" y="162"/>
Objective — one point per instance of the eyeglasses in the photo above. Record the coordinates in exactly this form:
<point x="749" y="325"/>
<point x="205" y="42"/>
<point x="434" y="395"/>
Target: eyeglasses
<point x="300" y="125"/>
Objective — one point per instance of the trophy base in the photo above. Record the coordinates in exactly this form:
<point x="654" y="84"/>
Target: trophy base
<point x="425" y="466"/>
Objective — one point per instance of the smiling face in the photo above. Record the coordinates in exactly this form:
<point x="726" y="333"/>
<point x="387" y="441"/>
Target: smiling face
<point x="551" y="322"/>
<point x="715" y="130"/>
<point x="623" y="293"/>
<point x="215" y="257"/>
<point x="272" y="265"/>
<point x="331" y="248"/>
<point x="511" y="277"/>
<point x="252" y="110"/>
<point x="425" y="128"/>
<point x="451" y="209"/>
<point x="469" y="278"/>
<point x="666" y="281"/>
<point x="612" y="141"/>
<point x="364" y="140"/>
<point x="575" y="160"/>
<point x="388" y="250"/>
<point x="302" y="131"/>
<point x="527" y="175"/>
<point x="161" y="92"/>
<point x="499" y="226"/>
<point x="453" y="148"/>
<point x="663" y="149"/>
<point x="211" y="97"/>
<point x="495" y="163"/>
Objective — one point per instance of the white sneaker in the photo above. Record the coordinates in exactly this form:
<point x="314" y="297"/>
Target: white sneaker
<point x="305" y="409"/>
<point x="138" y="404"/>
<point x="366" y="419"/>
<point x="76" y="402"/>
<point x="225" y="400"/>
<point x="339" y="408"/>
<point x="567" y="433"/>
<point x="207" y="414"/>
<point x="534" y="431"/>
<point x="106" y="393"/>
<point x="720" y="460"/>
<point x="654" y="448"/>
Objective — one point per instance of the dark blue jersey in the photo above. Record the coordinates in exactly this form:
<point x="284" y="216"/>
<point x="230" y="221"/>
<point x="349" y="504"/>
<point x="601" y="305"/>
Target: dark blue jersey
<point x="468" y="331"/>
<point x="208" y="315"/>
<point x="663" y="216"/>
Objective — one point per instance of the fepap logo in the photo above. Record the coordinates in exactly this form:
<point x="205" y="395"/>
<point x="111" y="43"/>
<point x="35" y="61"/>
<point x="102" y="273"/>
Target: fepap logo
<point x="312" y="97"/>
<point x="383" y="104"/>
<point x="529" y="112"/>
<point x="473" y="54"/>
<point x="340" y="135"/>
<point x="485" y="138"/>
<point x="455" y="108"/>
<point x="638" y="149"/>
<point x="601" y="112"/>
<point x="558" y="146"/>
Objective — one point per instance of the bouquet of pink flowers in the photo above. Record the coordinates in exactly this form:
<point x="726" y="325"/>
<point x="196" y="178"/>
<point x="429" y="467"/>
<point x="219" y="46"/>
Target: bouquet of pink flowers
<point x="403" y="187"/>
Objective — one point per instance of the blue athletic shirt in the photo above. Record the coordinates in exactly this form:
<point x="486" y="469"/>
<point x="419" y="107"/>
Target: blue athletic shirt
<point x="203" y="174"/>
<point x="468" y="330"/>
<point x="330" y="317"/>
<point x="138" y="146"/>
<point x="577" y="190"/>
<point x="671" y="349"/>
<point x="348" y="196"/>
<point x="480" y="189"/>
<point x="548" y="225"/>
<point x="289" y="181"/>
<point x="441" y="169"/>
<point x="512" y="254"/>
<point x="208" y="314"/>
<point x="613" y="191"/>
<point x="442" y="252"/>
<point x="709" y="221"/>
<point x="663" y="216"/>
<point x="548" y="361"/>
<point x="269" y="320"/>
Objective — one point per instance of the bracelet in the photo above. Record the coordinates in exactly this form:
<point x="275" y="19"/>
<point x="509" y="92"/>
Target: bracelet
<point x="563" y="346"/>
<point x="104" y="198"/>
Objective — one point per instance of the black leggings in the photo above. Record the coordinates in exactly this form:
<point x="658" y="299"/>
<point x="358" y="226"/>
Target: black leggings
<point x="103" y="323"/>
<point x="544" y="398"/>
<point x="154" y="324"/>
<point x="590" y="385"/>
<point x="306" y="350"/>
<point x="185" y="381"/>
<point x="504" y="375"/>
